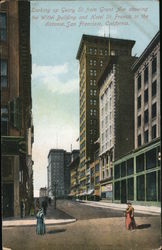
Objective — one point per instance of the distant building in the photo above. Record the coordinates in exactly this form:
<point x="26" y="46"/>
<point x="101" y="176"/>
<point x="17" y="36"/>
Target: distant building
<point x="43" y="192"/>
<point x="58" y="172"/>
<point x="137" y="174"/>
<point x="16" y="107"/>
<point x="116" y="113"/>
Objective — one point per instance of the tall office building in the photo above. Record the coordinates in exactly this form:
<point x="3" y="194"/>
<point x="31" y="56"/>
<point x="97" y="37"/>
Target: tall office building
<point x="58" y="173"/>
<point x="93" y="54"/>
<point x="16" y="107"/>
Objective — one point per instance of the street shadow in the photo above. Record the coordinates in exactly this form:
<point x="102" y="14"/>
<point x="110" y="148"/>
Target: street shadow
<point x="143" y="226"/>
<point x="56" y="231"/>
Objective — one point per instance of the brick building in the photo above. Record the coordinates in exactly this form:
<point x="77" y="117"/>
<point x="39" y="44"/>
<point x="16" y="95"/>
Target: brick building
<point x="16" y="107"/>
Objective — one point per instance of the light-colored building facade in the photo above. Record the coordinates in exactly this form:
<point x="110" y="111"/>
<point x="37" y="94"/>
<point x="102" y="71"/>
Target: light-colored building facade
<point x="137" y="175"/>
<point x="116" y="113"/>
<point x="147" y="94"/>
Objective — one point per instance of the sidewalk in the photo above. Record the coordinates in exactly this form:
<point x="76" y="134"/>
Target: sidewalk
<point x="53" y="217"/>
<point x="151" y="210"/>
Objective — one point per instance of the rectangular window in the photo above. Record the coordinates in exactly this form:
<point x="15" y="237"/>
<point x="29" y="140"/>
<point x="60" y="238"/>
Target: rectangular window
<point x="3" y="27"/>
<point x="146" y="136"/>
<point x="140" y="163"/>
<point x="154" y="110"/>
<point x="151" y="159"/>
<point x="139" y="140"/>
<point x="139" y="102"/>
<point x="123" y="169"/>
<point x="101" y="63"/>
<point x="154" y="88"/>
<point x="154" y="132"/>
<point x="3" y="73"/>
<point x="94" y="82"/>
<point x="117" y="190"/>
<point x="130" y="188"/>
<point x="146" y="116"/>
<point x="154" y="65"/>
<point x="95" y="51"/>
<point x="146" y="96"/>
<point x="139" y="82"/>
<point x="146" y="75"/>
<point x="140" y="188"/>
<point x="130" y="166"/>
<point x="139" y="121"/>
<point x="151" y="187"/>
<point x="117" y="171"/>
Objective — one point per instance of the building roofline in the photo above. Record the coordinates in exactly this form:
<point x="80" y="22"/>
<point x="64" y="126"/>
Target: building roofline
<point x="100" y="38"/>
<point x="55" y="150"/>
<point x="146" y="52"/>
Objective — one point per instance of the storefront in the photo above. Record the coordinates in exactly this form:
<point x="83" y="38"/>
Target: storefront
<point x="106" y="191"/>
<point x="137" y="176"/>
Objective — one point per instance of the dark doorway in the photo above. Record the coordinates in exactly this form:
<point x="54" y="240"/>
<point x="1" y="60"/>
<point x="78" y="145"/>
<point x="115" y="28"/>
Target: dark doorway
<point x="123" y="192"/>
<point x="8" y="200"/>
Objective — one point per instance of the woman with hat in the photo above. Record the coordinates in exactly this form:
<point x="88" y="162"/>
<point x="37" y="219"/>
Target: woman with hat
<point x="40" y="228"/>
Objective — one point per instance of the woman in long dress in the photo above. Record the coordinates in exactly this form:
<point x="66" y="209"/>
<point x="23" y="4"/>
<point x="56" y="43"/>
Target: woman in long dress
<point x="40" y="228"/>
<point x="129" y="218"/>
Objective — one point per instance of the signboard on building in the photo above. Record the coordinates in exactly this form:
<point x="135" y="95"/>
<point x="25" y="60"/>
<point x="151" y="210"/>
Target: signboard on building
<point x="107" y="188"/>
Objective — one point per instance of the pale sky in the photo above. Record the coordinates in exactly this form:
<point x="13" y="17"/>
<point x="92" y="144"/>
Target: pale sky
<point x="55" y="70"/>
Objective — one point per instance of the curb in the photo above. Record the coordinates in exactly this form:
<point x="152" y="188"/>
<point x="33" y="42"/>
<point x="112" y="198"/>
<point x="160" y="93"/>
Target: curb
<point x="120" y="208"/>
<point x="33" y="223"/>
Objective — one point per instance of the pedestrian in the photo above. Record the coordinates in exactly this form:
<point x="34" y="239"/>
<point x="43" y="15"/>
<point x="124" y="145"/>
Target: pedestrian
<point x="129" y="217"/>
<point x="40" y="228"/>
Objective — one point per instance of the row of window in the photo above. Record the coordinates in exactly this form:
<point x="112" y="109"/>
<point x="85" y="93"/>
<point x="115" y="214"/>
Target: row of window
<point x="154" y="69"/>
<point x="95" y="51"/>
<point x="92" y="82"/>
<point x="93" y="112"/>
<point x="146" y="114"/>
<point x="153" y="135"/>
<point x="109" y="173"/>
<point x="94" y="63"/>
<point x="146" y="188"/>
<point x="144" y="161"/>
<point x="93" y="92"/>
<point x="92" y="72"/>
<point x="154" y="91"/>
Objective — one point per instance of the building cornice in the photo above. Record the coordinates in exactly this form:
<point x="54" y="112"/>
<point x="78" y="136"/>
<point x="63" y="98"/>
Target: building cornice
<point x="146" y="52"/>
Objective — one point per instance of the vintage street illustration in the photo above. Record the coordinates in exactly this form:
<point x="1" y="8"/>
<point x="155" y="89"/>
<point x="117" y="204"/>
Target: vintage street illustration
<point x="80" y="125"/>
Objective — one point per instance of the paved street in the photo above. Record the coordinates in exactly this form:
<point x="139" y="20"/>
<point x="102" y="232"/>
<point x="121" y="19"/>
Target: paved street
<point x="95" y="229"/>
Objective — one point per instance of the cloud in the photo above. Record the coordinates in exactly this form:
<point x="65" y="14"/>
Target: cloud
<point x="55" y="78"/>
<point x="104" y="31"/>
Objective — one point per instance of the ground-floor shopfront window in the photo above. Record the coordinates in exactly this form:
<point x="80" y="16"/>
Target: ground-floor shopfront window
<point x="141" y="188"/>
<point x="130" y="188"/>
<point x="151" y="187"/>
